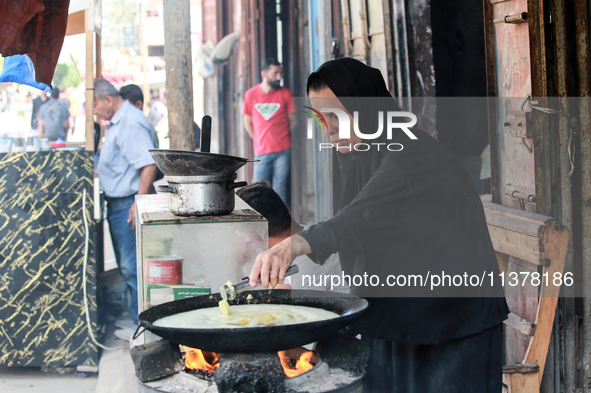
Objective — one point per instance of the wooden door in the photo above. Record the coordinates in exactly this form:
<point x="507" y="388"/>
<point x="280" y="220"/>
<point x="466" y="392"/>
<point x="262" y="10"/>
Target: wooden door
<point x="519" y="164"/>
<point x="517" y="64"/>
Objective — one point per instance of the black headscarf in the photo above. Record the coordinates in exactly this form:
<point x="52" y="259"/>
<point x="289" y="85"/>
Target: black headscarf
<point x="348" y="77"/>
<point x="361" y="89"/>
<point x="401" y="213"/>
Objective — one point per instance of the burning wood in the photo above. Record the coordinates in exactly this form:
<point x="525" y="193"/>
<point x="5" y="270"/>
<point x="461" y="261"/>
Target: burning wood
<point x="294" y="362"/>
<point x="201" y="374"/>
<point x="294" y="365"/>
<point x="202" y="360"/>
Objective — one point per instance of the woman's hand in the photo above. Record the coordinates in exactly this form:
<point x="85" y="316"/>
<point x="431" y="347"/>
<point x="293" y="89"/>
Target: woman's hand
<point x="272" y="264"/>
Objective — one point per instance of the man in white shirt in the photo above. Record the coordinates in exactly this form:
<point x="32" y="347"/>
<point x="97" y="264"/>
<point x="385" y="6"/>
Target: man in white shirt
<point x="125" y="169"/>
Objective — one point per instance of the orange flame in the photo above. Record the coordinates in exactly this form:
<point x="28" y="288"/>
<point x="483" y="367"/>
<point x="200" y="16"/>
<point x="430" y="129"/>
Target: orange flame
<point x="209" y="361"/>
<point x="197" y="359"/>
<point x="301" y="365"/>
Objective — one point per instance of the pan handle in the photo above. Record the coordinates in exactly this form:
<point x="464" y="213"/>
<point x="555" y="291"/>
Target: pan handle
<point x="169" y="189"/>
<point x="138" y="332"/>
<point x="239" y="184"/>
<point x="205" y="134"/>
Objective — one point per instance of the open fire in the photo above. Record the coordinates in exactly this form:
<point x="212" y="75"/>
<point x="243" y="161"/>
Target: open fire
<point x="294" y="362"/>
<point x="162" y="366"/>
<point x="201" y="360"/>
<point x="297" y="361"/>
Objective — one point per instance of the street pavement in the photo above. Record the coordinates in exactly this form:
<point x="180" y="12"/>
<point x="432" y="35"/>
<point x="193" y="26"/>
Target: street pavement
<point x="115" y="374"/>
<point x="32" y="379"/>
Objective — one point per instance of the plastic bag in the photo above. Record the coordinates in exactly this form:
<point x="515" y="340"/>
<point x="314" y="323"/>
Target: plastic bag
<point x="20" y="69"/>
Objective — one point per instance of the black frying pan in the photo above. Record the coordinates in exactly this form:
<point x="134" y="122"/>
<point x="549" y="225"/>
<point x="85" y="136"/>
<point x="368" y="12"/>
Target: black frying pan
<point x="257" y="339"/>
<point x="194" y="163"/>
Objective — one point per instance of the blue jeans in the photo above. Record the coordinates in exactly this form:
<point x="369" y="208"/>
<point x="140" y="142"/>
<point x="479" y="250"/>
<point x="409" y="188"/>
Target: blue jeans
<point x="276" y="169"/>
<point x="123" y="238"/>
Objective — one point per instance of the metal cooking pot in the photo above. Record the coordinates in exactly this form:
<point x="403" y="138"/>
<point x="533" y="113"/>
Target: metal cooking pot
<point x="201" y="195"/>
<point x="256" y="339"/>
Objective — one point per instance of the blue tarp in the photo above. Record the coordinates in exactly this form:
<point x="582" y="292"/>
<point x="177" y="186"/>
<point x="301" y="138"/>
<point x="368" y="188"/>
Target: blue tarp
<point x="20" y="69"/>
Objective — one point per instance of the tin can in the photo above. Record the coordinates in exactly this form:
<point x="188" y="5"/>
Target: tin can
<point x="167" y="269"/>
<point x="44" y="144"/>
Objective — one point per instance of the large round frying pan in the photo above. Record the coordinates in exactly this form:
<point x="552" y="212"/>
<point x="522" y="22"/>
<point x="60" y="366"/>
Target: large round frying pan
<point x="257" y="339"/>
<point x="192" y="163"/>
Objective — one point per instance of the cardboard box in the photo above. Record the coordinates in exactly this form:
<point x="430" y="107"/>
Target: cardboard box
<point x="161" y="293"/>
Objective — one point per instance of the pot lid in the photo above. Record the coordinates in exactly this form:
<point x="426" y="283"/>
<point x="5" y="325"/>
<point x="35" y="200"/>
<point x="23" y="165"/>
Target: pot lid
<point x="192" y="163"/>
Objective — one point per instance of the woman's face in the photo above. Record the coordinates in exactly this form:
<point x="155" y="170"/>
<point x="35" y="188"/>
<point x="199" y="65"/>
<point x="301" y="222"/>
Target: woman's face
<point x="325" y="98"/>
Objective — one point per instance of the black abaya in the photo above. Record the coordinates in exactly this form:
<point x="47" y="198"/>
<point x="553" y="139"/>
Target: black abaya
<point x="402" y="213"/>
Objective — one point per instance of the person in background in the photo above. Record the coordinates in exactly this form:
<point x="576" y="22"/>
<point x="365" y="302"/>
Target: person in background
<point x="158" y="117"/>
<point x="262" y="198"/>
<point x="157" y="110"/>
<point x="54" y="118"/>
<point x="268" y="119"/>
<point x="125" y="169"/>
<point x="65" y="98"/>
<point x="133" y="94"/>
<point x="412" y="211"/>
<point x="22" y="103"/>
<point x="74" y="107"/>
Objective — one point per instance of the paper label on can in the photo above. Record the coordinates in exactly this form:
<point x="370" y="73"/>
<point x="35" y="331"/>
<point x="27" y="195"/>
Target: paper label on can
<point x="155" y="271"/>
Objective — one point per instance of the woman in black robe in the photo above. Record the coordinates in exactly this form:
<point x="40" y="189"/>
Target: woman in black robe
<point x="406" y="210"/>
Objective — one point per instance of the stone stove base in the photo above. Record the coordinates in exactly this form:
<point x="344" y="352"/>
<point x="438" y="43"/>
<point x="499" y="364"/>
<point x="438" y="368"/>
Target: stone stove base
<point x="341" y="370"/>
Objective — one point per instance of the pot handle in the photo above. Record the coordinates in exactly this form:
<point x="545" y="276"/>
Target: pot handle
<point x="205" y="134"/>
<point x="168" y="188"/>
<point x="239" y="184"/>
<point x="138" y="332"/>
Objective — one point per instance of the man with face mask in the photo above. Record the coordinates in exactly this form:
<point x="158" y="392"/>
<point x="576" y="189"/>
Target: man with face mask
<point x="268" y="119"/>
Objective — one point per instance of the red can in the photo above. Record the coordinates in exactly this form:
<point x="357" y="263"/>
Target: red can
<point x="164" y="270"/>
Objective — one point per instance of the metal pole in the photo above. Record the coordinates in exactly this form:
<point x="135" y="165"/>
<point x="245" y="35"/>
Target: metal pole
<point x="566" y="328"/>
<point x="144" y="48"/>
<point x="539" y="77"/>
<point x="179" y="77"/>
<point x="492" y="102"/>
<point x="89" y="94"/>
<point x="582" y="43"/>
